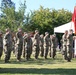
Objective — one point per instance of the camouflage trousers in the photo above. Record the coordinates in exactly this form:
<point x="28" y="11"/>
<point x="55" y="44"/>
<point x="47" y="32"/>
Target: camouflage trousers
<point x="19" y="48"/>
<point x="27" y="52"/>
<point x="36" y="50"/>
<point x="53" y="52"/>
<point x="7" y="51"/>
<point x="46" y="48"/>
<point x="41" y="51"/>
<point x="30" y="51"/>
<point x="23" y="52"/>
<point x="13" y="48"/>
<point x="1" y="51"/>
<point x="50" y="51"/>
<point x="64" y="52"/>
<point x="69" y="52"/>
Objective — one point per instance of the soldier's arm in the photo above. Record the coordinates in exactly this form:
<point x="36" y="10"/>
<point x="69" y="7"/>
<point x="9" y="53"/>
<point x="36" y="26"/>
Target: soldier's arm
<point x="5" y="40"/>
<point x="50" y="42"/>
<point x="68" y="36"/>
<point x="5" y="36"/>
<point x="23" y="42"/>
<point x="35" y="36"/>
<point x="64" y="37"/>
<point x="16" y="37"/>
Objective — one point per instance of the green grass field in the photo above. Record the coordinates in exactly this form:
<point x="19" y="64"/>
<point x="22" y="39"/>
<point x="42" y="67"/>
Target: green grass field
<point x="58" y="66"/>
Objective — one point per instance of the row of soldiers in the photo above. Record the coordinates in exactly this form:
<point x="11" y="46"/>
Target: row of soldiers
<point x="24" y="44"/>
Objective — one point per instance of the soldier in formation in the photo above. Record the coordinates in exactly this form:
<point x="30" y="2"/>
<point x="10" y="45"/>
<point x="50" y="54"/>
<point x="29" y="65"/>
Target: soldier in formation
<point x="46" y="44"/>
<point x="27" y="46"/>
<point x="53" y="45"/>
<point x="24" y="36"/>
<point x="41" y="45"/>
<point x="36" y="43"/>
<point x="19" y="44"/>
<point x="50" y="42"/>
<point x="7" y="44"/>
<point x="64" y="40"/>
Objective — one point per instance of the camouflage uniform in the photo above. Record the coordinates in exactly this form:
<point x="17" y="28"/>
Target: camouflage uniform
<point x="13" y="43"/>
<point x="41" y="45"/>
<point x="1" y="44"/>
<point x="46" y="44"/>
<point x="61" y="46"/>
<point x="50" y="45"/>
<point x="27" y="46"/>
<point x="64" y="50"/>
<point x="36" y="42"/>
<point x="7" y="45"/>
<point x="24" y="37"/>
<point x="69" y="46"/>
<point x="31" y="43"/>
<point x="53" y="46"/>
<point x="19" y="44"/>
<point x="56" y="41"/>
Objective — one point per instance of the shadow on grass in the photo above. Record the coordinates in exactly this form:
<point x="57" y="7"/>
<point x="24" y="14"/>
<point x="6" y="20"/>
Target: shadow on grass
<point x="58" y="59"/>
<point x="38" y="71"/>
<point x="40" y="61"/>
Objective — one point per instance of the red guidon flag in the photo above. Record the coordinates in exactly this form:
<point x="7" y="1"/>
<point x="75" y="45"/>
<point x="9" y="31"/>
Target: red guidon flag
<point x="74" y="18"/>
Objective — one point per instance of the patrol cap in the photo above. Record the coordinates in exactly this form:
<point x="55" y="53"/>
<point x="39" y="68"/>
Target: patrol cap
<point x="71" y="30"/>
<point x="7" y="29"/>
<point x="19" y="29"/>
<point x="66" y="30"/>
<point x="25" y="32"/>
<point x="41" y="35"/>
<point x="36" y="31"/>
<point x="54" y="34"/>
<point x="46" y="33"/>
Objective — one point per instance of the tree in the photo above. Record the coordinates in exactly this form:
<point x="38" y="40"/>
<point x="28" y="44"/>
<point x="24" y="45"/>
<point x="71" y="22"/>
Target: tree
<point x="11" y="18"/>
<point x="7" y="4"/>
<point x="45" y="19"/>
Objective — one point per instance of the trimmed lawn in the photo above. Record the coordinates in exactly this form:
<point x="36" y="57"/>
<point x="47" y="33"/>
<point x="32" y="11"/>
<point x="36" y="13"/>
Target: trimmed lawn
<point x="58" y="66"/>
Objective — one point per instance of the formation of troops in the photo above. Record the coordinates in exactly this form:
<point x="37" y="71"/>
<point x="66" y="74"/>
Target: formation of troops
<point x="22" y="44"/>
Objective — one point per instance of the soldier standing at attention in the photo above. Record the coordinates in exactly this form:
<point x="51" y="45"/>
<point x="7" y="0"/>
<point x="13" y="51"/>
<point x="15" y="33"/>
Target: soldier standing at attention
<point x="13" y="43"/>
<point x="1" y="44"/>
<point x="7" y="45"/>
<point x="41" y="45"/>
<point x="64" y="49"/>
<point x="56" y="41"/>
<point x="46" y="44"/>
<point x="27" y="44"/>
<point x="50" y="45"/>
<point x="69" y="45"/>
<point x="24" y="37"/>
<point x="53" y="46"/>
<point x="19" y="44"/>
<point x="31" y="43"/>
<point x="36" y="43"/>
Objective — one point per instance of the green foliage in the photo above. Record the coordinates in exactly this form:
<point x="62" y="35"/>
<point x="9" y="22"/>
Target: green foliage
<point x="46" y="19"/>
<point x="43" y="19"/>
<point x="11" y="18"/>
